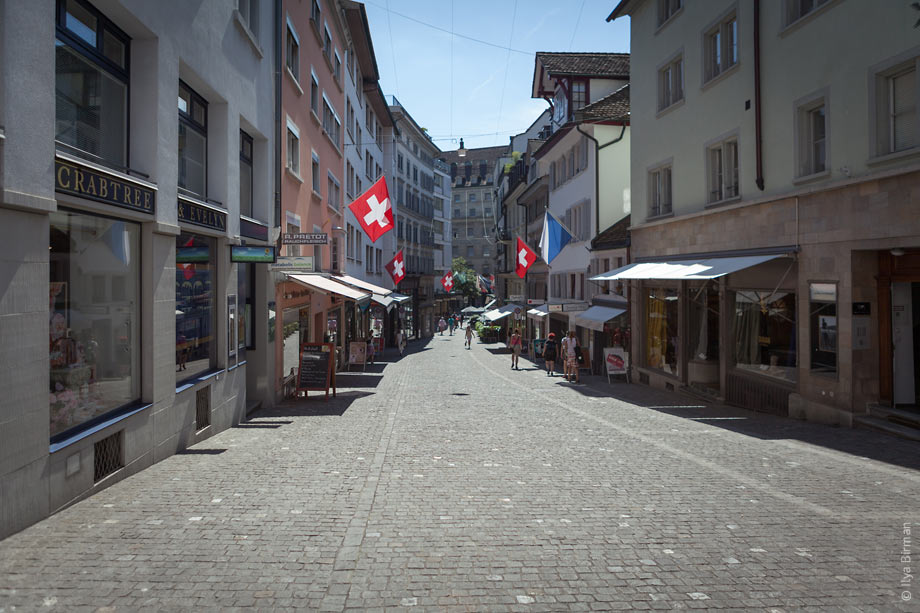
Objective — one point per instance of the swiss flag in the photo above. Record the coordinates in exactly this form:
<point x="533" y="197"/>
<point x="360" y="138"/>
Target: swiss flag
<point x="373" y="210"/>
<point x="448" y="281"/>
<point x="524" y="258"/>
<point x="397" y="267"/>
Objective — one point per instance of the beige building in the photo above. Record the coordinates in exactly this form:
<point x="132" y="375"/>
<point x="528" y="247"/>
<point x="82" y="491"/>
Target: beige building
<point x="774" y="239"/>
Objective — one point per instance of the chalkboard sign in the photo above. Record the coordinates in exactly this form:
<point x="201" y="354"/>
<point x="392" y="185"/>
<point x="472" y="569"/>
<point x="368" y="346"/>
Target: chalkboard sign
<point x="315" y="371"/>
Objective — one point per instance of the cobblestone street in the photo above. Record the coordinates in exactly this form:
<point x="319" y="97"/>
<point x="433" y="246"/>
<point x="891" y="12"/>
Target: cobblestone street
<point x="447" y="481"/>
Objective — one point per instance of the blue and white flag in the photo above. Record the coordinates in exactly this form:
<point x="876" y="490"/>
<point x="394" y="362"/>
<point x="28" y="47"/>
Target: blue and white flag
<point x="555" y="237"/>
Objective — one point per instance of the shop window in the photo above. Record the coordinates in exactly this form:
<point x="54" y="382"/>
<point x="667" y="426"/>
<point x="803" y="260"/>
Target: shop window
<point x="661" y="313"/>
<point x="245" y="288"/>
<point x="193" y="141"/>
<point x="91" y="84"/>
<point x="822" y="314"/>
<point x="195" y="313"/>
<point x="93" y="326"/>
<point x="763" y="328"/>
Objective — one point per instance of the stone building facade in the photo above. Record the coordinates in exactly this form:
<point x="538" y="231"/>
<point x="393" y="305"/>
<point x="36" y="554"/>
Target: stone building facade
<point x="134" y="167"/>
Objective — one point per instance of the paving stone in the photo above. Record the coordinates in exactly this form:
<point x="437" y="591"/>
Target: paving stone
<point x="591" y="497"/>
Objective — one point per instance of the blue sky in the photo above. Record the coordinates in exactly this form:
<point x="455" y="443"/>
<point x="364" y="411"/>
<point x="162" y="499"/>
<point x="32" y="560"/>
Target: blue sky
<point x="490" y="85"/>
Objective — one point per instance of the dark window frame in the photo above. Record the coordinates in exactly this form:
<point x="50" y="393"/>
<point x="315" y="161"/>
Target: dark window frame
<point x="129" y="406"/>
<point x="246" y="139"/>
<point x="187" y="118"/>
<point x="96" y="55"/>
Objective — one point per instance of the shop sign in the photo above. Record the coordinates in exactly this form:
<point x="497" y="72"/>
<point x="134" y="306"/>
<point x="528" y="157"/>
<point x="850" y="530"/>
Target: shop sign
<point x="516" y="298"/>
<point x="862" y="308"/>
<point x="535" y="301"/>
<point x="82" y="181"/>
<point x="616" y="360"/>
<point x="291" y="262"/>
<point x="316" y="370"/>
<point x="301" y="238"/>
<point x="555" y="308"/>
<point x="246" y="253"/>
<point x="189" y="212"/>
<point x="580" y="306"/>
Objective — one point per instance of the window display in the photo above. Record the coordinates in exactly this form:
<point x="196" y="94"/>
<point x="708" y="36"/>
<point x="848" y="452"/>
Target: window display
<point x="195" y="313"/>
<point x="822" y="312"/>
<point x="661" y="313"/>
<point x="93" y="328"/>
<point x="763" y="328"/>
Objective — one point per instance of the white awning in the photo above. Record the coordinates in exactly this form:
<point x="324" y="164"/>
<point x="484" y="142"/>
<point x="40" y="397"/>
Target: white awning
<point x="490" y="304"/>
<point x="385" y="301"/>
<point x="538" y="312"/>
<point x="595" y="317"/>
<point x="688" y="269"/>
<point x="399" y="298"/>
<point x="362" y="284"/>
<point x="326" y="285"/>
<point x="495" y="315"/>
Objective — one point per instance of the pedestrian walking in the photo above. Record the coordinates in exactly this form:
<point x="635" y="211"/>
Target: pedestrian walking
<point x="549" y="354"/>
<point x="400" y="342"/>
<point x="460" y="320"/>
<point x="451" y="322"/>
<point x="442" y="325"/>
<point x="570" y="349"/>
<point x="469" y="337"/>
<point x="515" y="344"/>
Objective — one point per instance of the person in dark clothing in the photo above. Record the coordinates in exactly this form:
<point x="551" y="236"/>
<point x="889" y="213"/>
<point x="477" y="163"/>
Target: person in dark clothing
<point x="549" y="354"/>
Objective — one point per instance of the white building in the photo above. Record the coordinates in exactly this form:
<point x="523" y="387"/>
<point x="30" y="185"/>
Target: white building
<point x="415" y="154"/>
<point x="780" y="146"/>
<point x="129" y="332"/>
<point x="368" y="125"/>
<point x="587" y="162"/>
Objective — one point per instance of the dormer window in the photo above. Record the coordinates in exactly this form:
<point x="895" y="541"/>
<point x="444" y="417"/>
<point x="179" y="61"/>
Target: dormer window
<point x="560" y="107"/>
<point x="579" y="95"/>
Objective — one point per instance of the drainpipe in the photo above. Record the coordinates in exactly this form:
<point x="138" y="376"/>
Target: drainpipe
<point x="597" y="174"/>
<point x="278" y="139"/>
<point x="758" y="137"/>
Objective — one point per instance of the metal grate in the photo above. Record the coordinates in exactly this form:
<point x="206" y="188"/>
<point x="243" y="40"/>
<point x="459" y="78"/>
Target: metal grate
<point x="751" y="393"/>
<point x="203" y="408"/>
<point x="108" y="456"/>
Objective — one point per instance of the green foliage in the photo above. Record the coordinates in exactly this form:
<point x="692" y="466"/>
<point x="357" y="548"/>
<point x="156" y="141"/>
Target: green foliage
<point x="467" y="286"/>
<point x="515" y="155"/>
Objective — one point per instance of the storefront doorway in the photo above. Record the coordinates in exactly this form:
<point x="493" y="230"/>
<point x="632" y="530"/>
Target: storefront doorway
<point x="703" y="348"/>
<point x="905" y="342"/>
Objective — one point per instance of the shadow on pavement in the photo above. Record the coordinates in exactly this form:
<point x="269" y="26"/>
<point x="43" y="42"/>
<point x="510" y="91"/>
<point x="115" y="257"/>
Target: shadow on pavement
<point x="862" y="443"/>
<point x="314" y="405"/>
<point x="200" y="451"/>
<point x="356" y="379"/>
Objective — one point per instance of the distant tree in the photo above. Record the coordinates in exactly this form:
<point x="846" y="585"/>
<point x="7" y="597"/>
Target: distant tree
<point x="465" y="279"/>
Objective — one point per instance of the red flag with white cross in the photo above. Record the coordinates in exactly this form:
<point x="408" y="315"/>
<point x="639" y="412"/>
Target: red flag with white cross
<point x="524" y="258"/>
<point x="373" y="211"/>
<point x="397" y="267"/>
<point x="448" y="281"/>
